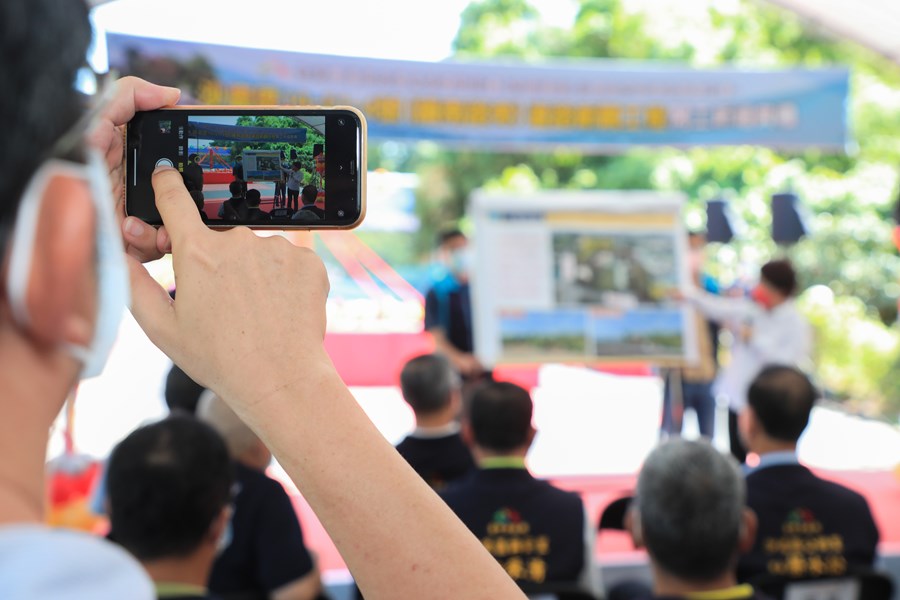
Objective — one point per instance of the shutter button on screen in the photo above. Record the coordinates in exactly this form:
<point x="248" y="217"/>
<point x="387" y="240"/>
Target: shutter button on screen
<point x="164" y="162"/>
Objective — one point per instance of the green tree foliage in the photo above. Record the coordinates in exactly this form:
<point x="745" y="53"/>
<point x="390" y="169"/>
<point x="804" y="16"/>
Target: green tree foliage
<point x="850" y="196"/>
<point x="304" y="151"/>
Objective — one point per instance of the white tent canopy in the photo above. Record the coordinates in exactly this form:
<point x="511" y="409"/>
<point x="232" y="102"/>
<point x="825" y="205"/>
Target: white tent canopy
<point x="871" y="23"/>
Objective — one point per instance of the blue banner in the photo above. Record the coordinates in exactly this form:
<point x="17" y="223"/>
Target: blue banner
<point x="598" y="106"/>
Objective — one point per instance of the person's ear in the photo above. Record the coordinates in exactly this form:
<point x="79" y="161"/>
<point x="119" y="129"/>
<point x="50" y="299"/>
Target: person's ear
<point x="749" y="527"/>
<point x="219" y="524"/>
<point x="467" y="434"/>
<point x="456" y="399"/>
<point x="748" y="426"/>
<point x="61" y="295"/>
<point x="529" y="438"/>
<point x="632" y="524"/>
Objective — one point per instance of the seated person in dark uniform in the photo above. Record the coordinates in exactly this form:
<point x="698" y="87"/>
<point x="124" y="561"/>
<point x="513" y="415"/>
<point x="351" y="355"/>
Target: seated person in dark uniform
<point x="539" y="533"/>
<point x="169" y="488"/>
<point x="254" y="213"/>
<point x="796" y="509"/>
<point x="309" y="211"/>
<point x="235" y="208"/>
<point x="266" y="556"/>
<point x="435" y="449"/>
<point x="690" y="516"/>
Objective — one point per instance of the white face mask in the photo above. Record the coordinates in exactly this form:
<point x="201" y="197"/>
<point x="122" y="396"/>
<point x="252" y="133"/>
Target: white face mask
<point x="112" y="272"/>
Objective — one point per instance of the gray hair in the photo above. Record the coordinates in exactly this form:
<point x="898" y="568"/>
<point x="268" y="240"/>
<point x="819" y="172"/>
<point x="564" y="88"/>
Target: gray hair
<point x="690" y="499"/>
<point x="427" y="383"/>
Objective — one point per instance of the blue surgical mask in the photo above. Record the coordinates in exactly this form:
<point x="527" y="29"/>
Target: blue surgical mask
<point x="112" y="272"/>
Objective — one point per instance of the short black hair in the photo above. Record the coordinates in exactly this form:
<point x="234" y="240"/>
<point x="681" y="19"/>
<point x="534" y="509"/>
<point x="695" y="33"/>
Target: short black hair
<point x="166" y="484"/>
<point x="181" y="392"/>
<point x="43" y="44"/>
<point x="309" y="194"/>
<point x="499" y="414"/>
<point x="449" y="233"/>
<point x="780" y="275"/>
<point x="253" y="197"/>
<point x="782" y="398"/>
<point x="236" y="188"/>
<point x="427" y="382"/>
<point x="193" y="156"/>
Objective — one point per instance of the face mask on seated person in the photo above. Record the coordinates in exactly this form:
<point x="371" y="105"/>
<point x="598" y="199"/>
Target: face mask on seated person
<point x="112" y="274"/>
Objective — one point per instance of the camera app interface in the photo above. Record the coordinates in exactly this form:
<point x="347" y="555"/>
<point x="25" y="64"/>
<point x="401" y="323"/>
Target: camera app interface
<point x="250" y="168"/>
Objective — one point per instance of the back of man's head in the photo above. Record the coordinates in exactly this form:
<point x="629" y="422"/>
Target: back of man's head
<point x="253" y="198"/>
<point x="42" y="46"/>
<point x="782" y="398"/>
<point x="166" y="484"/>
<point x="309" y="194"/>
<point x="239" y="438"/>
<point x="236" y="188"/>
<point x="689" y="502"/>
<point x="428" y="383"/>
<point x="181" y="392"/>
<point x="780" y="274"/>
<point x="499" y="415"/>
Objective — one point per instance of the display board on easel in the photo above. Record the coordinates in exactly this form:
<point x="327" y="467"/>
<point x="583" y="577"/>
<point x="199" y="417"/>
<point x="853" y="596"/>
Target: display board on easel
<point x="580" y="277"/>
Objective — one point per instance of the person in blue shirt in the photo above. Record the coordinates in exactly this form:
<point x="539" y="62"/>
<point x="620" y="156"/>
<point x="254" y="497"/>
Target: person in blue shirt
<point x="448" y="306"/>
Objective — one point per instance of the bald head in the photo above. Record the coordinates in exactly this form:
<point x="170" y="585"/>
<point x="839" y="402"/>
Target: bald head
<point x="782" y="399"/>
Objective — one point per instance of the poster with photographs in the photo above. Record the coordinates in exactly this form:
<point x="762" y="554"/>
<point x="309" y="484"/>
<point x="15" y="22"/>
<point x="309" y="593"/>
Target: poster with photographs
<point x="580" y="277"/>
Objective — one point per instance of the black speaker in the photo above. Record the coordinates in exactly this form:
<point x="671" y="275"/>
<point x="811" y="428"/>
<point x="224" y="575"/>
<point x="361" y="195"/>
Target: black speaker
<point x="789" y="223"/>
<point x="721" y="225"/>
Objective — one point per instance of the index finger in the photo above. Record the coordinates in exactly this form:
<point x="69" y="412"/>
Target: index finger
<point x="176" y="207"/>
<point x="134" y="94"/>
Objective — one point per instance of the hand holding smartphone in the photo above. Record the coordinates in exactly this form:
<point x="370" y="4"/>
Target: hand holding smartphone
<point x="282" y="167"/>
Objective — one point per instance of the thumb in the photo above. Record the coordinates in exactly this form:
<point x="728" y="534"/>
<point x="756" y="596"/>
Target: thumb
<point x="152" y="307"/>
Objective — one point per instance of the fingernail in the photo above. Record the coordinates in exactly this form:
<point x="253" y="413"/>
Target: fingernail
<point x="134" y="227"/>
<point x="161" y="168"/>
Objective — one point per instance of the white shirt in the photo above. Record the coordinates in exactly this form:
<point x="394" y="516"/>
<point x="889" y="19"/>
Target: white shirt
<point x="295" y="178"/>
<point x="780" y="336"/>
<point x="39" y="562"/>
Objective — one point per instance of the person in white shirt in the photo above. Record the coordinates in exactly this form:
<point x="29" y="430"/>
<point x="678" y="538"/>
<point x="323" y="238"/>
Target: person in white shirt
<point x="767" y="329"/>
<point x="294" y="183"/>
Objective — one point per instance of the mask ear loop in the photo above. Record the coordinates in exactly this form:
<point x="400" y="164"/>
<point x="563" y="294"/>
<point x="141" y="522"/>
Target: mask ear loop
<point x="25" y="231"/>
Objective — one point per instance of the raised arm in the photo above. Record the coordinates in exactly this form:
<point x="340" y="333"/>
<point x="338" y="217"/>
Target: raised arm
<point x="720" y="308"/>
<point x="395" y="534"/>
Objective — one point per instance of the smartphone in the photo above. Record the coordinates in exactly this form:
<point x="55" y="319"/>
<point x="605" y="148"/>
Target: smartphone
<point x="264" y="167"/>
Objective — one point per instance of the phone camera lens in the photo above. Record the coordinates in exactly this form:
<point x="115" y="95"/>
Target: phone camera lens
<point x="340" y="213"/>
<point x="341" y="122"/>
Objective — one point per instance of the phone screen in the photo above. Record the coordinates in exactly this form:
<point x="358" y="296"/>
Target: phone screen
<point x="264" y="168"/>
